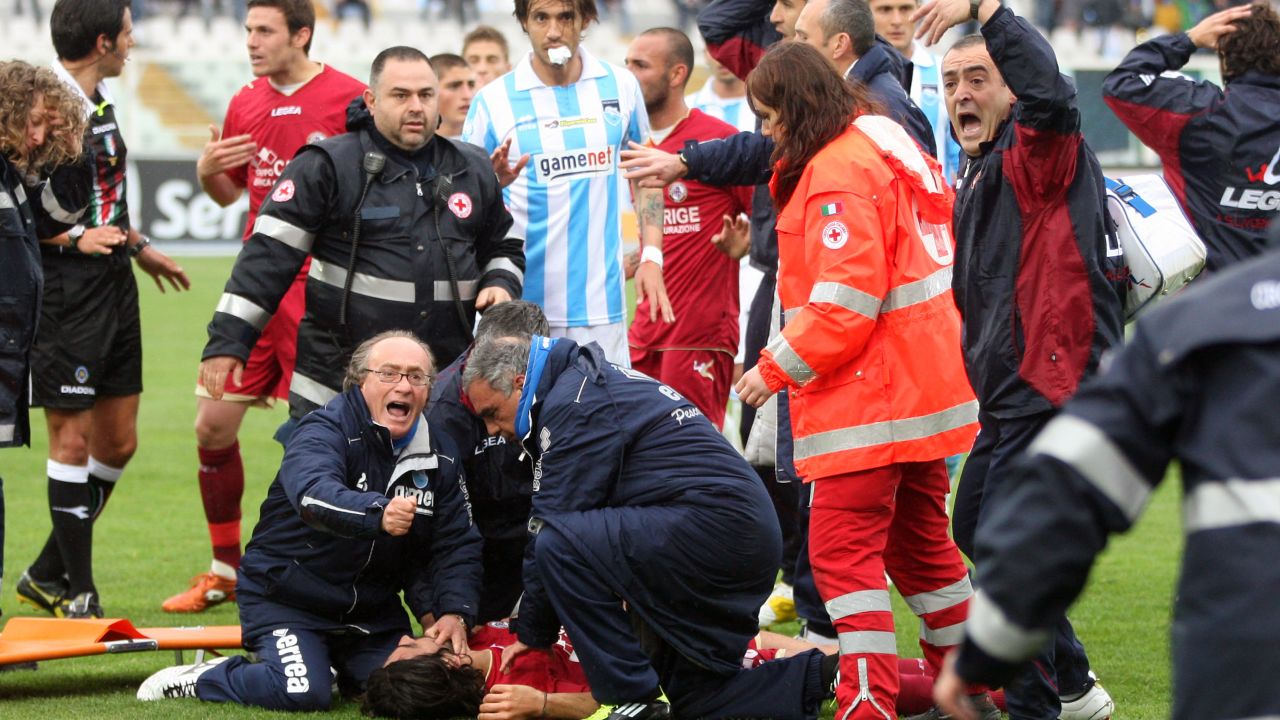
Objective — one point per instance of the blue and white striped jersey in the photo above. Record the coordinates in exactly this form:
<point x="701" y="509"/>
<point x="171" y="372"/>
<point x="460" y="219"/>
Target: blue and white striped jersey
<point x="926" y="91"/>
<point x="735" y="111"/>
<point x="566" y="202"/>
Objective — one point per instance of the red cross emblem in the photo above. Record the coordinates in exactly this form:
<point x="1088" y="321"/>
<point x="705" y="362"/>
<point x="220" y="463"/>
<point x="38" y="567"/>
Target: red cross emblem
<point x="835" y="235"/>
<point x="460" y="205"/>
<point x="284" y="192"/>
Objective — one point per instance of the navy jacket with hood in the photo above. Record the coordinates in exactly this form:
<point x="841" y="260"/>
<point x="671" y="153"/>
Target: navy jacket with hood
<point x="319" y="554"/>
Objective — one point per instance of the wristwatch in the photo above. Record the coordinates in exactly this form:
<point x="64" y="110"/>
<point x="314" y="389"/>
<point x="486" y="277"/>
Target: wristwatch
<point x="143" y="243"/>
<point x="683" y="159"/>
<point x="74" y="235"/>
<point x="973" y="8"/>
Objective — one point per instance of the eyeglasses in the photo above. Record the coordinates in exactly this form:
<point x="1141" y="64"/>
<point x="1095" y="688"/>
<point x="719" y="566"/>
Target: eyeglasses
<point x="416" y="378"/>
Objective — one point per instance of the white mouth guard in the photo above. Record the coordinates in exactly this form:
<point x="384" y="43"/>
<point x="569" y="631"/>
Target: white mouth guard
<point x="559" y="55"/>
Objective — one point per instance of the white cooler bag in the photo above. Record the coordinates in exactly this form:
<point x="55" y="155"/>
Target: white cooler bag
<point x="1160" y="246"/>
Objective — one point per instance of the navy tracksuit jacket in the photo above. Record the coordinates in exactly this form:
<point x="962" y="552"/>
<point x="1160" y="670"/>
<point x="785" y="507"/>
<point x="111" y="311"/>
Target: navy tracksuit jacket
<point x="320" y="581"/>
<point x="499" y="483"/>
<point x="638" y="498"/>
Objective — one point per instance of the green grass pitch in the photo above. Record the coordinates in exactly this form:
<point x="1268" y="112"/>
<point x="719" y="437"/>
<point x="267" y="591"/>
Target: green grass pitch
<point x="152" y="538"/>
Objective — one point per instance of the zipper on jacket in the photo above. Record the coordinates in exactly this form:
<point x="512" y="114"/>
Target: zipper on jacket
<point x="864" y="693"/>
<point x="355" y="582"/>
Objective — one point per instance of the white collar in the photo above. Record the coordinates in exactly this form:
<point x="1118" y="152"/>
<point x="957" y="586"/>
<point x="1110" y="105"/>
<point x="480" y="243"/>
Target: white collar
<point x="89" y="106"/>
<point x="527" y="79"/>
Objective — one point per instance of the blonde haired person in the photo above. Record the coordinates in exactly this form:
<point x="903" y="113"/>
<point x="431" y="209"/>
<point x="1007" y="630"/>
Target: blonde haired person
<point x="40" y="129"/>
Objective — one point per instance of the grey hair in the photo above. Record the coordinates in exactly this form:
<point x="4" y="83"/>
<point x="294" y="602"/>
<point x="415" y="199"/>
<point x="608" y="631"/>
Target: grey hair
<point x="512" y="318"/>
<point x="356" y="369"/>
<point x="498" y="361"/>
<point x="852" y="17"/>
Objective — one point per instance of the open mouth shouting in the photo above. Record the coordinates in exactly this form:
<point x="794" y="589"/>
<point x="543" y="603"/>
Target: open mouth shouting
<point x="399" y="410"/>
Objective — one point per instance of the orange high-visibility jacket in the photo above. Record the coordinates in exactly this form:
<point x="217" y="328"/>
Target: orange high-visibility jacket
<point x="871" y="343"/>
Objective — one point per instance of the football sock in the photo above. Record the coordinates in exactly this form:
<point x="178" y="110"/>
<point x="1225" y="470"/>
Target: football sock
<point x="221" y="489"/>
<point x="70" y="507"/>
<point x="102" y="482"/>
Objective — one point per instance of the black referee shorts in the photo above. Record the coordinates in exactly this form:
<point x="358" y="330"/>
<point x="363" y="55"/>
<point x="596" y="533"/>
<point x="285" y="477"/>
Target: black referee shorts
<point x="89" y="343"/>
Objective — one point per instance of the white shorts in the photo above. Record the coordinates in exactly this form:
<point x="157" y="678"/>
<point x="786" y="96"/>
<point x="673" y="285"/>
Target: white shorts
<point x="611" y="338"/>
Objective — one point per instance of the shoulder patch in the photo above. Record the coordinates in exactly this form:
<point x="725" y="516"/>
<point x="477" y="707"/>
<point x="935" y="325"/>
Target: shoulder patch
<point x="835" y="235"/>
<point x="283" y="192"/>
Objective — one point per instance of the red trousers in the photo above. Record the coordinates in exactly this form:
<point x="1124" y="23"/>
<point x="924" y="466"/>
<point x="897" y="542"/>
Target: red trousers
<point x="866" y="523"/>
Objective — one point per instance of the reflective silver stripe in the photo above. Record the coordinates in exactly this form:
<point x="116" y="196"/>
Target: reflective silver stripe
<point x="367" y="285"/>
<point x="311" y="390"/>
<point x="863" y="642"/>
<point x="290" y="235"/>
<point x="308" y="501"/>
<point x="20" y="194"/>
<point x="444" y="291"/>
<point x="947" y="597"/>
<point x="504" y="264"/>
<point x="943" y="636"/>
<point x="921" y="290"/>
<point x="1088" y="450"/>
<point x="849" y="298"/>
<point x="246" y="310"/>
<point x="50" y="203"/>
<point x="8" y="432"/>
<point x="789" y="315"/>
<point x="862" y="601"/>
<point x="6" y="201"/>
<point x="790" y="362"/>
<point x="1231" y="503"/>
<point x="992" y="631"/>
<point x="886" y="431"/>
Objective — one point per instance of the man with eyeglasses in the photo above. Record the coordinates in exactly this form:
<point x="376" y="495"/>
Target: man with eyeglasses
<point x="368" y="503"/>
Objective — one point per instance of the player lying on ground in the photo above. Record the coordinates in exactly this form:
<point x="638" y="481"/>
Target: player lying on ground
<point x="421" y="679"/>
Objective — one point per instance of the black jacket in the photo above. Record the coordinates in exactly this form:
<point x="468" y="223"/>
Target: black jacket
<point x="319" y="551"/>
<point x="1199" y="384"/>
<point x="60" y="201"/>
<point x="1034" y="281"/>
<point x="1220" y="147"/>
<point x="410" y="228"/>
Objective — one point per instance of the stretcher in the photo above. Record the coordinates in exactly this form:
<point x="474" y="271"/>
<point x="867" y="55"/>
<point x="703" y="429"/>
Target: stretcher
<point x="29" y="639"/>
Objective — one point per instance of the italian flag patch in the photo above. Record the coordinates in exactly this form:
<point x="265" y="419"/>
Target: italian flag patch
<point x="834" y="208"/>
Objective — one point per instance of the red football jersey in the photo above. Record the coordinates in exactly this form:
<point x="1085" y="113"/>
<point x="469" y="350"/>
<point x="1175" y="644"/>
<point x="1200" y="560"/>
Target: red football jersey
<point x="555" y="672"/>
<point x="701" y="281"/>
<point x="281" y="124"/>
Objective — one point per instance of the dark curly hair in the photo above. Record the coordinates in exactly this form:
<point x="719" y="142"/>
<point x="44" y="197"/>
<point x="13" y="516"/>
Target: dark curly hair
<point x="814" y="105"/>
<point x="1255" y="44"/>
<point x="424" y="687"/>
